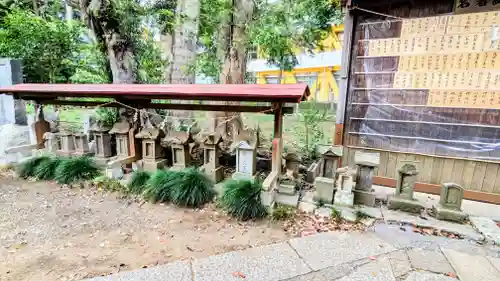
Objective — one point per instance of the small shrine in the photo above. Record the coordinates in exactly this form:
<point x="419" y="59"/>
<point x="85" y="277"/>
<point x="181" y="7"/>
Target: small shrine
<point x="179" y="143"/>
<point x="403" y="199"/>
<point x="450" y="203"/>
<point x="152" y="152"/>
<point x="290" y="180"/>
<point x="345" y="185"/>
<point x="81" y="144"/>
<point x="245" y="144"/>
<point x="211" y="153"/>
<point x="329" y="163"/>
<point x="50" y="142"/>
<point x="121" y="132"/>
<point x="65" y="143"/>
<point x="102" y="140"/>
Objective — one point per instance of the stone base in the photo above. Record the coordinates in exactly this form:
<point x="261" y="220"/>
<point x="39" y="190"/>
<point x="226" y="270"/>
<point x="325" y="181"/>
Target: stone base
<point x="344" y="199"/>
<point x="153" y="165"/>
<point x="307" y="207"/>
<point x="288" y="200"/>
<point x="449" y="215"/>
<point x="324" y="189"/>
<point x="366" y="198"/>
<point x="346" y="213"/>
<point x="406" y="205"/>
<point x="267" y="199"/>
<point x="114" y="173"/>
<point x="287" y="189"/>
<point x="242" y="176"/>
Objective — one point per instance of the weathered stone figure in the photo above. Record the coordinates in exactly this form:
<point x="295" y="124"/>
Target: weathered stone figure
<point x="211" y="153"/>
<point x="121" y="132"/>
<point x="450" y="203"/>
<point x="406" y="179"/>
<point x="102" y="141"/>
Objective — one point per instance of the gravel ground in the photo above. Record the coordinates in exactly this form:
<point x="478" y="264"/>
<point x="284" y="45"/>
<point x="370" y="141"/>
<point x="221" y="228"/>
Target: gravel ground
<point x="53" y="233"/>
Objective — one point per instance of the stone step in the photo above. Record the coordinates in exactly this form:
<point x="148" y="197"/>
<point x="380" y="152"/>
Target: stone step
<point x="472" y="268"/>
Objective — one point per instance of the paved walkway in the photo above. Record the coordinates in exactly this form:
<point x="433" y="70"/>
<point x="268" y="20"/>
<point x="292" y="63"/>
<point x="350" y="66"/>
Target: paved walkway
<point x="381" y="255"/>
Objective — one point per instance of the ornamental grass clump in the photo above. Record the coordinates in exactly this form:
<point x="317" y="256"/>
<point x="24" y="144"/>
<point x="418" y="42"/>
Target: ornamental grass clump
<point x="194" y="189"/>
<point x="76" y="169"/>
<point x="241" y="199"/>
<point x="27" y="168"/>
<point x="160" y="185"/>
<point x="46" y="170"/>
<point x="138" y="182"/>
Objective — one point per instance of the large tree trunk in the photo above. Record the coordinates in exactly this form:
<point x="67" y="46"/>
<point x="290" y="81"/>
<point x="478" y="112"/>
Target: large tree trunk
<point x="234" y="44"/>
<point x="121" y="60"/>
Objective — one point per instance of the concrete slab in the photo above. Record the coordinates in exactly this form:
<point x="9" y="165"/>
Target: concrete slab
<point x="330" y="273"/>
<point x="495" y="262"/>
<point x="427" y="276"/>
<point x="465" y="230"/>
<point x="487" y="227"/>
<point x="372" y="212"/>
<point x="433" y="261"/>
<point x="178" y="271"/>
<point x="374" y="271"/>
<point x="271" y="262"/>
<point x="323" y="212"/>
<point x="307" y="207"/>
<point x="399" y="262"/>
<point x="288" y="200"/>
<point x="472" y="268"/>
<point x="331" y="249"/>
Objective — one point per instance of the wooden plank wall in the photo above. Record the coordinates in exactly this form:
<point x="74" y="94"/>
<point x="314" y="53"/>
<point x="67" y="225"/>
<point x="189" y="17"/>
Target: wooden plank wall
<point x="470" y="174"/>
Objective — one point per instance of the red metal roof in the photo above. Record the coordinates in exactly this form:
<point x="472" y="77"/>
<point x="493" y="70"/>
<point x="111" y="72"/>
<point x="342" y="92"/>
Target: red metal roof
<point x="291" y="93"/>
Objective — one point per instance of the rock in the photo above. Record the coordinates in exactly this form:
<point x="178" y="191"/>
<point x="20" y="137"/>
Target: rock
<point x="307" y="207"/>
<point x="323" y="212"/>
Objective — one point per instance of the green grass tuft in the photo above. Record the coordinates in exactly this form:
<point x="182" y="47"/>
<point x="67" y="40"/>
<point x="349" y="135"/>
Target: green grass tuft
<point x="241" y="199"/>
<point x="46" y="170"/>
<point x="138" y="182"/>
<point x="74" y="169"/>
<point x="282" y="212"/>
<point x="194" y="189"/>
<point x="27" y="168"/>
<point x="160" y="185"/>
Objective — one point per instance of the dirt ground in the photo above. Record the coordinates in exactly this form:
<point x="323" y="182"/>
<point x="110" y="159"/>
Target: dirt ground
<point x="53" y="233"/>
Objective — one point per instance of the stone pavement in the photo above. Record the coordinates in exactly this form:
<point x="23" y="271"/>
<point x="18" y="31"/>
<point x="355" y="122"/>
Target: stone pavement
<point x="380" y="255"/>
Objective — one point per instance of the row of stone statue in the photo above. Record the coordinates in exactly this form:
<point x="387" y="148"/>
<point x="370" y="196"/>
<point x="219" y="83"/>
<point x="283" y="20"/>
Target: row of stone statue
<point x="346" y="187"/>
<point x="149" y="151"/>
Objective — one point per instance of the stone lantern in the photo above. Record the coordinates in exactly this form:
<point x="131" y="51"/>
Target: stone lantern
<point x="81" y="144"/>
<point x="152" y="152"/>
<point x="179" y="143"/>
<point x="65" y="143"/>
<point x="121" y="132"/>
<point x="330" y="156"/>
<point x="211" y="153"/>
<point x="102" y="141"/>
<point x="245" y="144"/>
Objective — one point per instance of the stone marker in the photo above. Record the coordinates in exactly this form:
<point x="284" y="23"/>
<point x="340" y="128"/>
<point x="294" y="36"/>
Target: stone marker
<point x="245" y="144"/>
<point x="344" y="195"/>
<point x="152" y="152"/>
<point x="81" y="144"/>
<point x="312" y="172"/>
<point x="450" y="203"/>
<point x="330" y="156"/>
<point x="121" y="132"/>
<point x="51" y="145"/>
<point x="179" y="142"/>
<point x="366" y="163"/>
<point x="403" y="199"/>
<point x="66" y="145"/>
<point x="211" y="153"/>
<point x="324" y="188"/>
<point x="289" y="182"/>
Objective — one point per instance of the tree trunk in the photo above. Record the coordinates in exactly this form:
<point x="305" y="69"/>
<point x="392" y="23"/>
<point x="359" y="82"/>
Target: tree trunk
<point x="121" y="60"/>
<point x="234" y="45"/>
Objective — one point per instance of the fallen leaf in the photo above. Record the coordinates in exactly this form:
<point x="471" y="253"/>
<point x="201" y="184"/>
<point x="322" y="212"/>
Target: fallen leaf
<point x="372" y="258"/>
<point x="416" y="230"/>
<point x="374" y="274"/>
<point x="189" y="248"/>
<point x="451" y="274"/>
<point x="428" y="231"/>
<point x="239" y="274"/>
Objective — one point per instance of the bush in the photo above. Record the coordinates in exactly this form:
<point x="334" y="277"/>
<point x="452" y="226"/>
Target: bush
<point x="194" y="189"/>
<point x="46" y="170"/>
<point x="138" y="182"/>
<point x="241" y="199"/>
<point x="160" y="185"/>
<point x="105" y="183"/>
<point x="74" y="169"/>
<point x="27" y="168"/>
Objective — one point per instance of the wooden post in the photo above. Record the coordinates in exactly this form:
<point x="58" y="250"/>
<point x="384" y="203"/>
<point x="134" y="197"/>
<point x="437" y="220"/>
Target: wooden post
<point x="278" y="141"/>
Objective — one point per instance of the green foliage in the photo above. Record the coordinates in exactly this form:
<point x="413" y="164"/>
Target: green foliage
<point x="75" y="169"/>
<point x="310" y="116"/>
<point x="282" y="212"/>
<point x="46" y="45"/>
<point x="161" y="184"/>
<point x="90" y="66"/>
<point x="151" y="64"/>
<point x="335" y="215"/>
<point x="193" y="190"/>
<point x="241" y="199"/>
<point x="27" y="168"/>
<point x="138" y="182"/>
<point x="105" y="183"/>
<point x="46" y="170"/>
<point x="107" y="116"/>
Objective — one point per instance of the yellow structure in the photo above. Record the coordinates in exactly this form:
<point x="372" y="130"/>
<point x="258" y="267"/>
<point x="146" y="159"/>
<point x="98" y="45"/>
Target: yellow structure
<point x="318" y="70"/>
